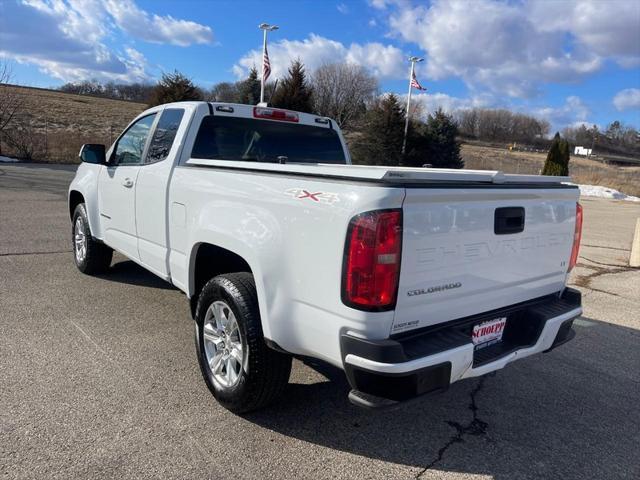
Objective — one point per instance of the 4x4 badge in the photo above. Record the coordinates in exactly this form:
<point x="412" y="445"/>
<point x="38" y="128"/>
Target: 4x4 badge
<point x="320" y="197"/>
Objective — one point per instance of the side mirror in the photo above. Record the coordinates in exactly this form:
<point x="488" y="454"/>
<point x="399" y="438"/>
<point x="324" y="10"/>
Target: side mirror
<point x="93" y="153"/>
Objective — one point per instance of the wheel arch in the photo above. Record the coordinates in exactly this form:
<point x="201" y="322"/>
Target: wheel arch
<point x="84" y="189"/>
<point x="75" y="199"/>
<point x="209" y="260"/>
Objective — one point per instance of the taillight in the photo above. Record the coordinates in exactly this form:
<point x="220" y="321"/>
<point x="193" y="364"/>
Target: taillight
<point x="372" y="260"/>
<point x="274" y="114"/>
<point x="576" y="238"/>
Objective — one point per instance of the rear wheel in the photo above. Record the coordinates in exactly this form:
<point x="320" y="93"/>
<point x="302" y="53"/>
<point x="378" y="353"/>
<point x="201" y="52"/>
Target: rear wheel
<point x="90" y="256"/>
<point x="241" y="371"/>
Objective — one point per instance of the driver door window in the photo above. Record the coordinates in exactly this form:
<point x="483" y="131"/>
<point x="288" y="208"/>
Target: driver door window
<point x="117" y="187"/>
<point x="131" y="146"/>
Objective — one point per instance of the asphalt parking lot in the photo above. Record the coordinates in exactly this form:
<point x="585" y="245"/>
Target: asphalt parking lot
<point x="98" y="378"/>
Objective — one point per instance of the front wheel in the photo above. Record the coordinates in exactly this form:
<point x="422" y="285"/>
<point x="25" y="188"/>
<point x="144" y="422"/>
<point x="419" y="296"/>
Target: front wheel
<point x="90" y="256"/>
<point x="241" y="371"/>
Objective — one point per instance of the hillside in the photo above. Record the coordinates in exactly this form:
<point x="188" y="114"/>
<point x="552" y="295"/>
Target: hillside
<point x="582" y="170"/>
<point x="55" y="125"/>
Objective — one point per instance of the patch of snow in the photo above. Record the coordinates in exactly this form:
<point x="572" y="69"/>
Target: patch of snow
<point x="605" y="192"/>
<point x="8" y="160"/>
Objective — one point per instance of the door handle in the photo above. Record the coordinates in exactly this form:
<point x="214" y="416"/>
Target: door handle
<point x="508" y="220"/>
<point x="127" y="183"/>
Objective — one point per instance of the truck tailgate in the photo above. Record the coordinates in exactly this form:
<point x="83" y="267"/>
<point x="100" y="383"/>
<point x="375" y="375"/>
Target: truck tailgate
<point x="465" y="251"/>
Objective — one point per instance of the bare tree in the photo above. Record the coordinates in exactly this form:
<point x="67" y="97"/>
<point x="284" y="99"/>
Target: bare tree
<point x="617" y="138"/>
<point x="468" y="122"/>
<point x="224" y="92"/>
<point x="10" y="100"/>
<point x="24" y="139"/>
<point x="242" y="91"/>
<point x="501" y="125"/>
<point x="137" y="92"/>
<point x="342" y="91"/>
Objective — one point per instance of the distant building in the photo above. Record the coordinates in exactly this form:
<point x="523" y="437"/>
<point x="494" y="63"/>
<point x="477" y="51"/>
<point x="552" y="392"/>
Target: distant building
<point x="582" y="151"/>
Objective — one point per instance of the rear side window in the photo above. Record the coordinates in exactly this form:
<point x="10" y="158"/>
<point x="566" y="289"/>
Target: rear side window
<point x="164" y="135"/>
<point x="246" y="139"/>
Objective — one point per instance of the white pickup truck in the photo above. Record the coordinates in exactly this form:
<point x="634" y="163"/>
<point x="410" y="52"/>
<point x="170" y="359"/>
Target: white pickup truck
<point x="408" y="279"/>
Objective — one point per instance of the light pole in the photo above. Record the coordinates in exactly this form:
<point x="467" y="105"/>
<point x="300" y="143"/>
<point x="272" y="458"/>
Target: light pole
<point x="265" y="27"/>
<point x="413" y="61"/>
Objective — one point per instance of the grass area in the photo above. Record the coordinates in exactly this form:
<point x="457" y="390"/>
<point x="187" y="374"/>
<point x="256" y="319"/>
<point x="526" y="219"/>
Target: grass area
<point x="582" y="170"/>
<point x="59" y="123"/>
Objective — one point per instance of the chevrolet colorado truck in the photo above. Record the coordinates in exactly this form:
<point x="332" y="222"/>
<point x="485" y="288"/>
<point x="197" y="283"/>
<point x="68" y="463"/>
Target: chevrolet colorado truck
<point x="408" y="279"/>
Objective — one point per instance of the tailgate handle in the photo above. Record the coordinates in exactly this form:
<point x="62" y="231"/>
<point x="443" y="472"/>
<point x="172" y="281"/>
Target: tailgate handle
<point x="508" y="220"/>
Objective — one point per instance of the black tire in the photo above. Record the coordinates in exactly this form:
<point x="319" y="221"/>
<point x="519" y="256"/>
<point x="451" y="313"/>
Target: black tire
<point x="97" y="258"/>
<point x="266" y="372"/>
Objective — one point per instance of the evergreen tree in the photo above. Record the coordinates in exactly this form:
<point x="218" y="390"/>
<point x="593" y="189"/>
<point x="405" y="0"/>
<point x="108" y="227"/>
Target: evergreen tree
<point x="381" y="139"/>
<point x="249" y="89"/>
<point x="565" y="150"/>
<point x="434" y="143"/>
<point x="174" y="87"/>
<point x="294" y="92"/>
<point x="557" y="162"/>
<point x="419" y="142"/>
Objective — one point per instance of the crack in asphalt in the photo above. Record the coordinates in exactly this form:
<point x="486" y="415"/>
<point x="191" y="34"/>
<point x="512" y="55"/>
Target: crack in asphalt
<point x="602" y="263"/>
<point x="33" y="253"/>
<point x="599" y="269"/>
<point x="608" y="248"/>
<point x="476" y="427"/>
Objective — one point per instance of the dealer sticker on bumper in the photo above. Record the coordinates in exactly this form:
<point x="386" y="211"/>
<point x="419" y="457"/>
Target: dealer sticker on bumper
<point x="488" y="333"/>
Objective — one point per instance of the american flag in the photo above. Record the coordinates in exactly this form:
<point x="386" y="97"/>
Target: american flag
<point x="415" y="84"/>
<point x="266" y="66"/>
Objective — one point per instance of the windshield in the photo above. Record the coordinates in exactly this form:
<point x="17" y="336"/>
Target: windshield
<point x="246" y="139"/>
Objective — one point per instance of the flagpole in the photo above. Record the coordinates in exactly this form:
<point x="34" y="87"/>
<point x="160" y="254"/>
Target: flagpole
<point x="413" y="61"/>
<point x="264" y="50"/>
<point x="265" y="27"/>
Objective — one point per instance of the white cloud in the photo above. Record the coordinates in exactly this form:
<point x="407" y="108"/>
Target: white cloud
<point x="52" y="36"/>
<point x="137" y="63"/>
<point x="78" y="19"/>
<point x="513" y="48"/>
<point x="380" y="4"/>
<point x="572" y="112"/>
<point x="430" y="102"/>
<point x="382" y="60"/>
<point x="130" y="67"/>
<point x="627" y="99"/>
<point x="66" y="39"/>
<point x="343" y="8"/>
<point x="606" y="28"/>
<point x="154" y="28"/>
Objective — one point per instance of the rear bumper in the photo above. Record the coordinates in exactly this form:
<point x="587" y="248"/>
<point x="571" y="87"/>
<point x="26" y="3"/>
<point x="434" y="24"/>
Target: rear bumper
<point x="429" y="360"/>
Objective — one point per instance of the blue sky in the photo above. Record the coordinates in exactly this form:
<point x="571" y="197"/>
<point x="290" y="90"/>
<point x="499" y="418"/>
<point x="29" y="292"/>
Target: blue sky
<point x="566" y="61"/>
